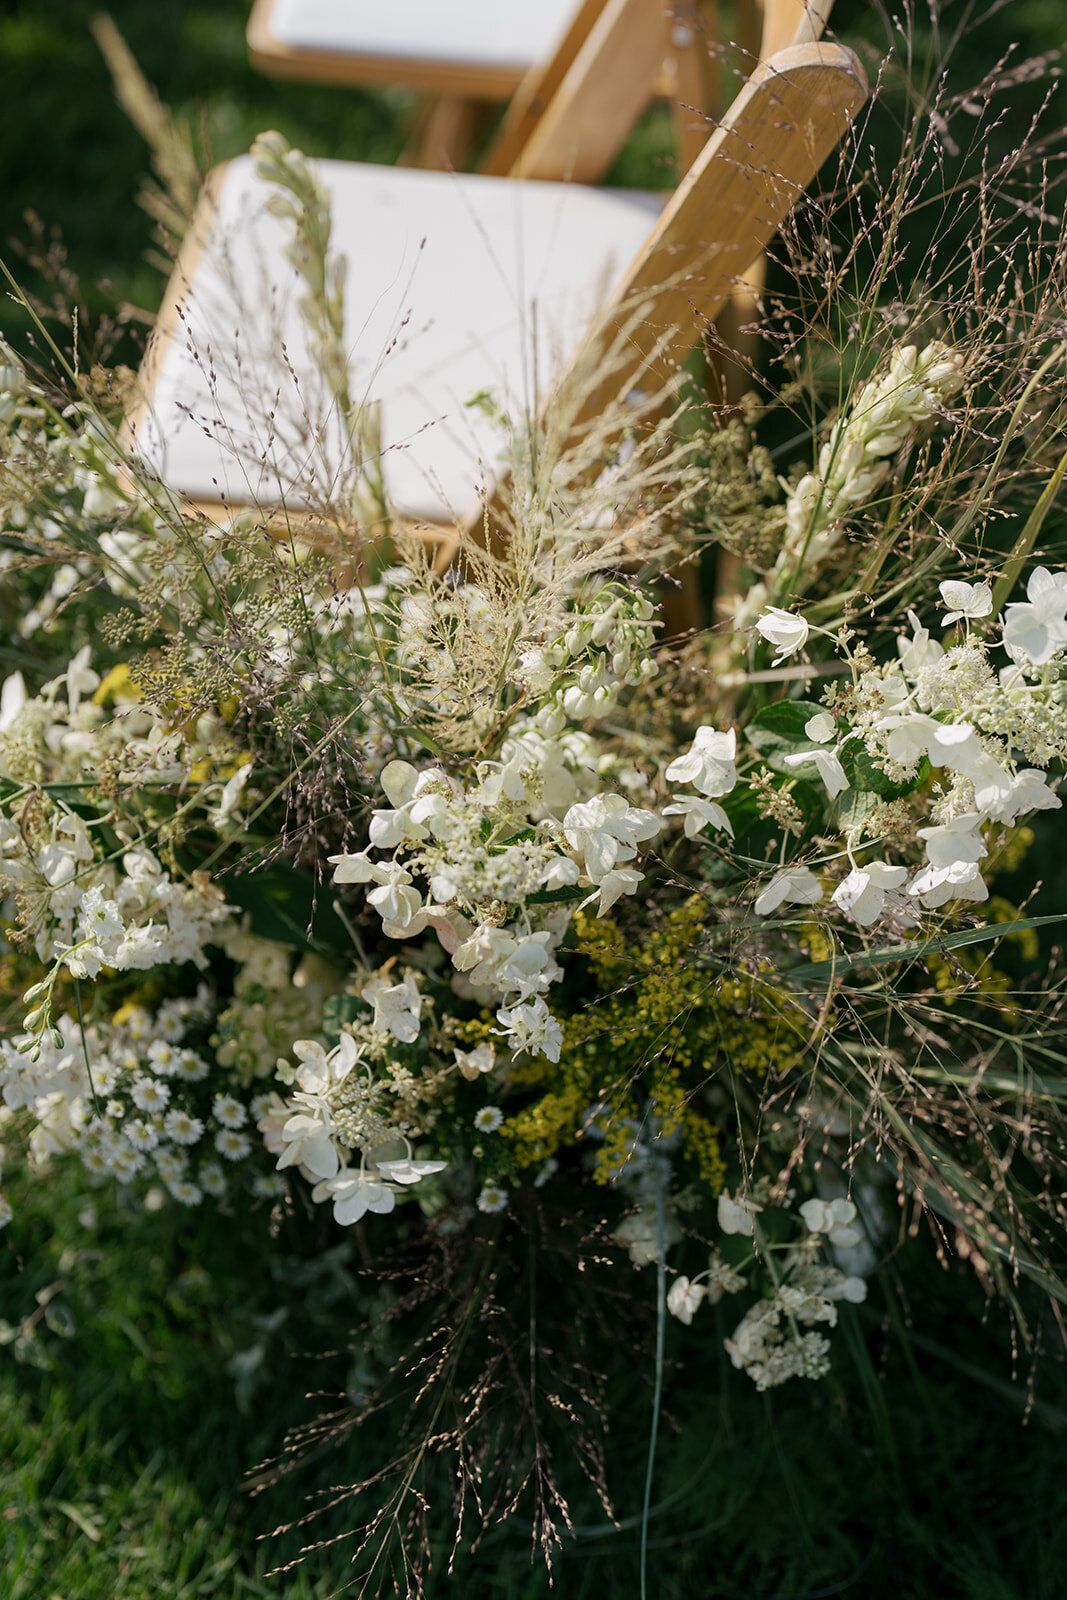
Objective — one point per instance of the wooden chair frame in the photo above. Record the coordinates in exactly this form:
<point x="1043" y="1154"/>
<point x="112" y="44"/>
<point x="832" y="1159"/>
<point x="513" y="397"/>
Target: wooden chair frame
<point x="782" y="126"/>
<point x="644" y="49"/>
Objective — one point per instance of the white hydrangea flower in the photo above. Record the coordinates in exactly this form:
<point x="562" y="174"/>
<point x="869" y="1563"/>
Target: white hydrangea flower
<point x="404" y="1169"/>
<point x="827" y="764"/>
<point x="737" y="1216"/>
<point x="308" y="1143"/>
<point x="966" y="600"/>
<point x="820" y="728"/>
<point x="862" y="894"/>
<point x="699" y="814"/>
<point x="397" y="1006"/>
<point x="606" y="830"/>
<point x="835" y="1219"/>
<point x="354" y="1194"/>
<point x="532" y="1029"/>
<point x="683" y="1299"/>
<point x="788" y="633"/>
<point x="793" y="885"/>
<point x="960" y="880"/>
<point x="708" y="764"/>
<point x="473" y="1063"/>
<point x="1037" y="626"/>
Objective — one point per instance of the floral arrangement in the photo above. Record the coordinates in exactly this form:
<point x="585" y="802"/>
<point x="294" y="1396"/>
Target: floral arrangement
<point x="419" y="901"/>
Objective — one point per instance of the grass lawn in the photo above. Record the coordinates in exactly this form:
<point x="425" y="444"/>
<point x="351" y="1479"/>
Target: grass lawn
<point x="150" y="1361"/>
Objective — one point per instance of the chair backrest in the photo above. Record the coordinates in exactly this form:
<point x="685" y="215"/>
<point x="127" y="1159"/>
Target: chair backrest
<point x="693" y="85"/>
<point x="787" y="119"/>
<point x="572" y="114"/>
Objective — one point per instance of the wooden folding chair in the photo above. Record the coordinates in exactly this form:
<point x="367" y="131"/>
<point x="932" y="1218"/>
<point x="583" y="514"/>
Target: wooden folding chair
<point x="458" y="285"/>
<point x="465" y="54"/>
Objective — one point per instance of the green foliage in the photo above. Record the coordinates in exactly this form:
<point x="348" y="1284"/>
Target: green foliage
<point x="286" y="904"/>
<point x="931" y="1473"/>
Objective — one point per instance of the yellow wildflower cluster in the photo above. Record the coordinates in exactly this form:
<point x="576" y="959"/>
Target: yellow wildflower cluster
<point x="663" y="1025"/>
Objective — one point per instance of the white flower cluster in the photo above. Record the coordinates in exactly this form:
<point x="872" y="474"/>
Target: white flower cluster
<point x="90" y="892"/>
<point x="494" y="876"/>
<point x="271" y="1006"/>
<point x="775" y="1339"/>
<point x="949" y="710"/>
<point x="612" y="636"/>
<point x="855" y="460"/>
<point x="132" y="1100"/>
<point x="337" y="1109"/>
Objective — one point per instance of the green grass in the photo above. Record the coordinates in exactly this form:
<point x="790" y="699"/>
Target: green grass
<point x="125" y="1434"/>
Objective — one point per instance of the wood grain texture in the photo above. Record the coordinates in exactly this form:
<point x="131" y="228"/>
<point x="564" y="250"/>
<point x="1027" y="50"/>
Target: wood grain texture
<point x="607" y="86"/>
<point x="786" y="121"/>
<point x="537" y="91"/>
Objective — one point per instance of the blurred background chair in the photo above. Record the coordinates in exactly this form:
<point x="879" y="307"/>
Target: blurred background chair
<point x="466" y="55"/>
<point x="455" y="286"/>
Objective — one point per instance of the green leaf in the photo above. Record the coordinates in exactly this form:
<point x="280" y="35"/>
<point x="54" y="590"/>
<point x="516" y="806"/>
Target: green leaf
<point x="417" y="736"/>
<point x="778" y="730"/>
<point x="283" y="905"/>
<point x="853" y="807"/>
<point x="339" y="1009"/>
<point x="863" y="773"/>
<point x="556" y="897"/>
<point x="917" y="948"/>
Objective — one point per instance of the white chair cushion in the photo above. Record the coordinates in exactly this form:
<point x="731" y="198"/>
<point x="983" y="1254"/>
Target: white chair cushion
<point x="505" y="33"/>
<point x="455" y="285"/>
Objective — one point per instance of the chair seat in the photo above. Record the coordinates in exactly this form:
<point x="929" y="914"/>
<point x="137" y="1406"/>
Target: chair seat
<point x="455" y="285"/>
<point x="495" y="39"/>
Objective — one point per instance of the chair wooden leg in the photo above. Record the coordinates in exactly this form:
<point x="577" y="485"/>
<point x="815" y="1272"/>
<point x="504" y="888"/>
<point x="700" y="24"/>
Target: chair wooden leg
<point x="690" y="77"/>
<point x="729" y="368"/>
<point x="444" y="134"/>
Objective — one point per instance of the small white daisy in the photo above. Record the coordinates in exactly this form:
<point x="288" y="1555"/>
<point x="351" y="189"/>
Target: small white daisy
<point x="149" y="1095"/>
<point x="212" y="1179"/>
<point x="492" y="1198"/>
<point x="125" y="1163"/>
<point x="180" y="1126"/>
<point x="138" y="1023"/>
<point x="188" y="1193"/>
<point x="488" y="1119"/>
<point x="268" y="1185"/>
<point x="192" y="1067"/>
<point x="170" y="1164"/>
<point x="141" y="1135"/>
<point x="170" y="1023"/>
<point x="230" y="1112"/>
<point x="231" y="1144"/>
<point x="164" y="1058"/>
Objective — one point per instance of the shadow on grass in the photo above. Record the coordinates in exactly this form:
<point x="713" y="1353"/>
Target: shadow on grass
<point x="152" y="1360"/>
